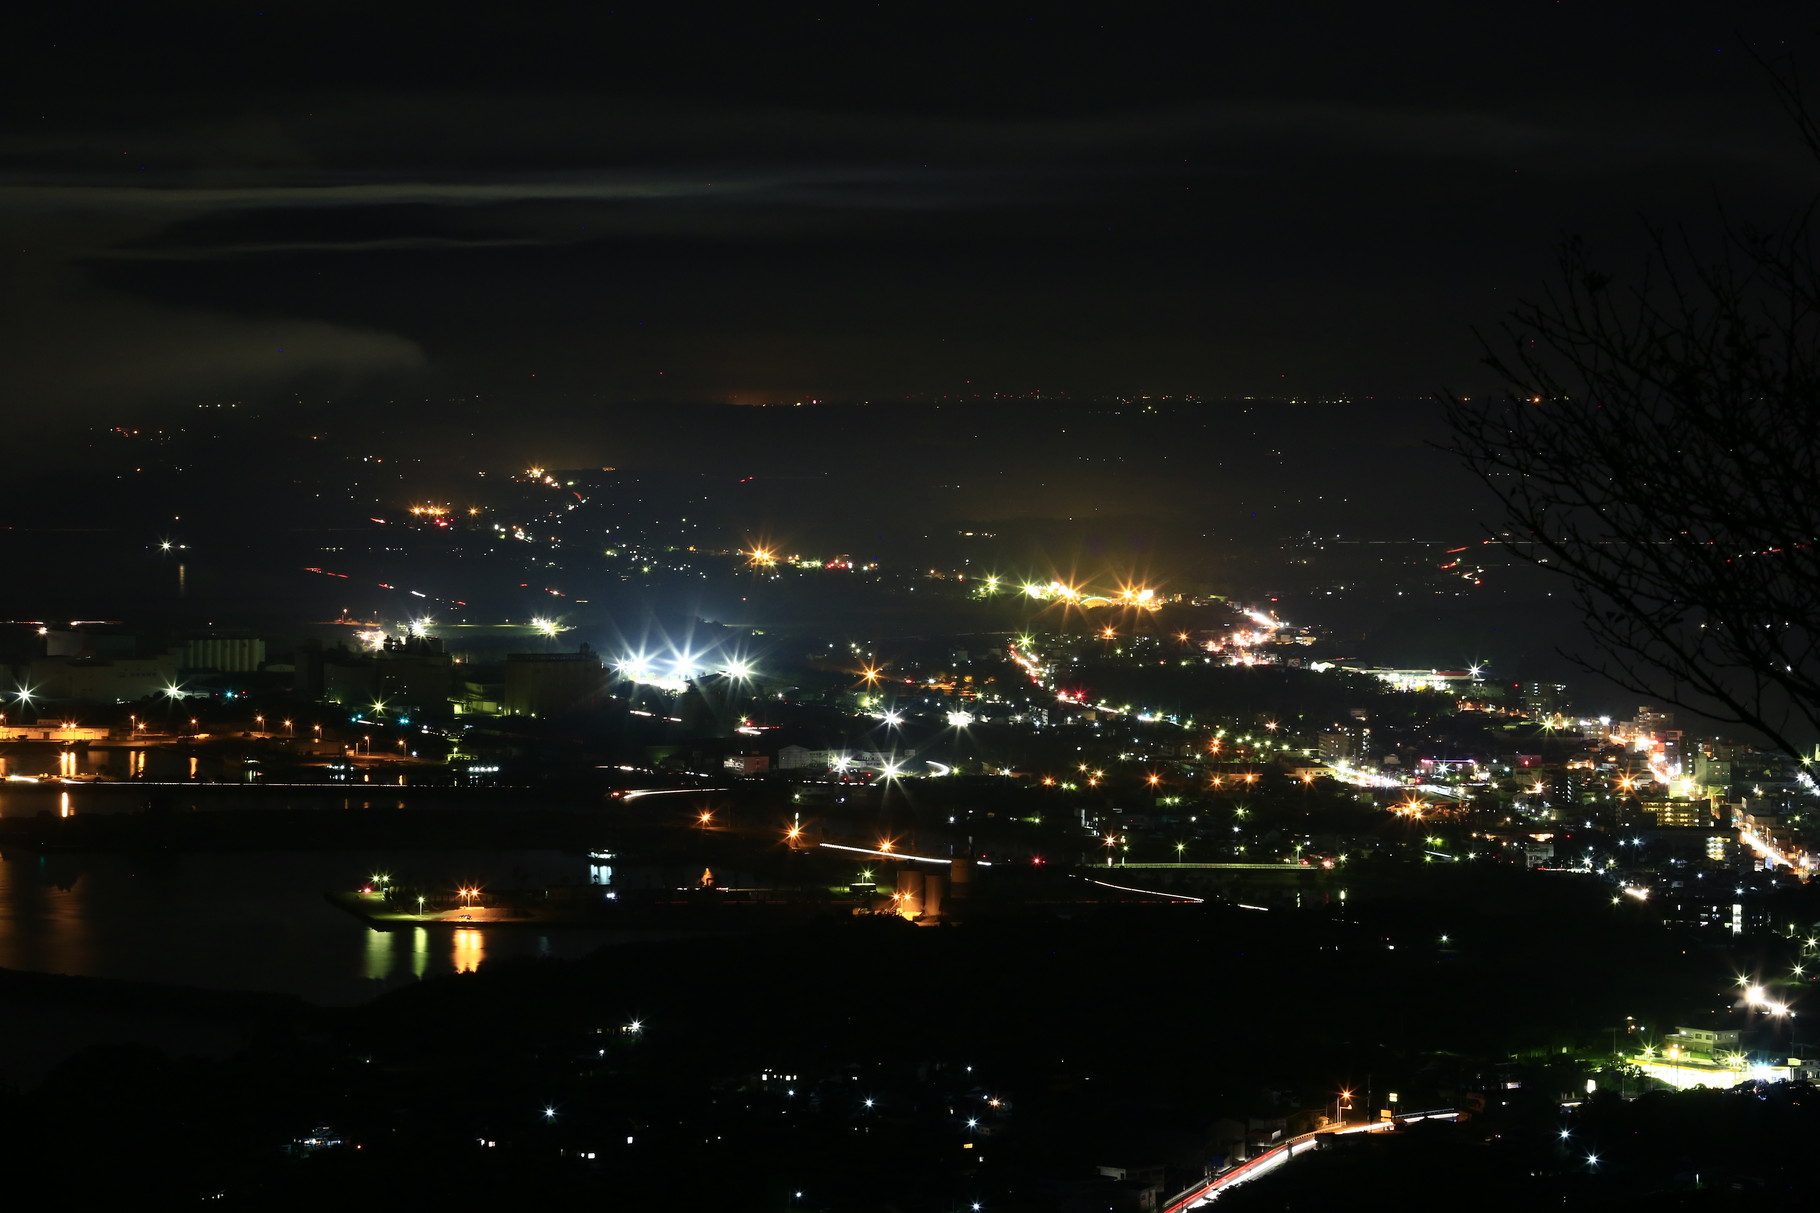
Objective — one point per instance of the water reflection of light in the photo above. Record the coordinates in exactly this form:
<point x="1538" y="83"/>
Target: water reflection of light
<point x="420" y="951"/>
<point x="193" y="762"/>
<point x="378" y="964"/>
<point x="135" y="763"/>
<point x="66" y="765"/>
<point x="468" y="950"/>
<point x="63" y="804"/>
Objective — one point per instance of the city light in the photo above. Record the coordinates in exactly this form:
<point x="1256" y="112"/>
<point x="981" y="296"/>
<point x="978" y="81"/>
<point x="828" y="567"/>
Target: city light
<point x="1005" y="582"/>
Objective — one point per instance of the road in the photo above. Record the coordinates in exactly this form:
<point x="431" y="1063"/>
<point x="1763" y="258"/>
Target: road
<point x="1281" y="1154"/>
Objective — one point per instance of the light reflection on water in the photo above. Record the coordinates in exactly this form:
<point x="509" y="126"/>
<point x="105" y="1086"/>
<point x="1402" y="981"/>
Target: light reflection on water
<point x="258" y="921"/>
<point x="22" y="799"/>
<point x="469" y="948"/>
<point x="378" y="964"/>
<point x="392" y="956"/>
<point x="117" y="778"/>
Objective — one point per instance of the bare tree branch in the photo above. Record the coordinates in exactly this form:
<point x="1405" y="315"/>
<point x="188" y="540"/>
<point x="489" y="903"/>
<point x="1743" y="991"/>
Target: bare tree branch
<point x="1659" y="446"/>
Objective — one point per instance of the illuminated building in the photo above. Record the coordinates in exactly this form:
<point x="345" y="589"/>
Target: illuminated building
<point x="1680" y="813"/>
<point x="99" y="679"/>
<point x="413" y="674"/>
<point x="1350" y="742"/>
<point x="548" y="684"/>
<point x="223" y="654"/>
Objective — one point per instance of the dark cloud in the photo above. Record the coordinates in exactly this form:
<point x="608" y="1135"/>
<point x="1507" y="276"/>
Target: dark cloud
<point x="94" y="349"/>
<point x="646" y="204"/>
<point x="75" y="348"/>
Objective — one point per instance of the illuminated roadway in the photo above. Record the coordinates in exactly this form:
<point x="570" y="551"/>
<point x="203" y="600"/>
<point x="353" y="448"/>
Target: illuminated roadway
<point x="1278" y="1155"/>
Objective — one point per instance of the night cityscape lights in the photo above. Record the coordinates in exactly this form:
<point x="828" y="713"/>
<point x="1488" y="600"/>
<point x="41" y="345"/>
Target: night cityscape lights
<point x="830" y="608"/>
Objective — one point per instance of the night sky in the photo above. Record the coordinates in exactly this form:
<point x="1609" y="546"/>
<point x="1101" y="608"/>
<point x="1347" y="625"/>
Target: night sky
<point x="549" y="212"/>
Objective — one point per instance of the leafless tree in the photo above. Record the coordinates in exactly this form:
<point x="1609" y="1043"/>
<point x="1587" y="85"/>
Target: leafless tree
<point x="1658" y="446"/>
